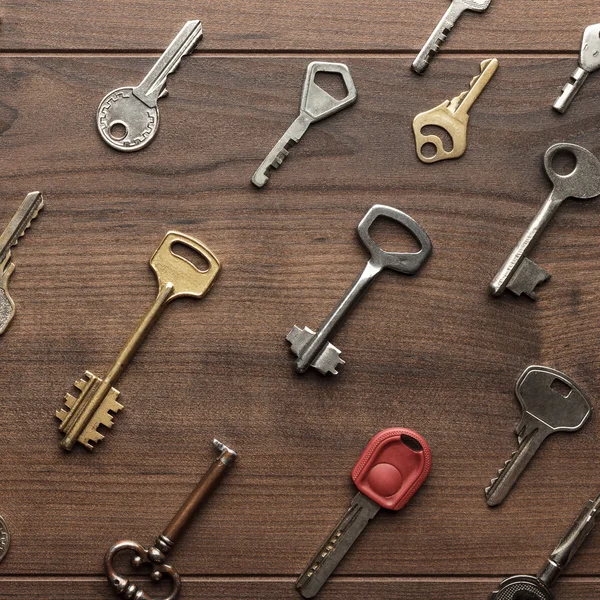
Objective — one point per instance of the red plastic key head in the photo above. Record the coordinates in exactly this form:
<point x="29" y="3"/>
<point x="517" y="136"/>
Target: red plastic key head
<point x="393" y="467"/>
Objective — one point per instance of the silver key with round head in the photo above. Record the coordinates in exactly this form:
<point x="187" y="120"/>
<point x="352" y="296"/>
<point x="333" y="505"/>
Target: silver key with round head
<point x="316" y="105"/>
<point x="589" y="61"/>
<point x="520" y="274"/>
<point x="313" y="349"/>
<point x="528" y="587"/>
<point x="128" y="117"/>
<point x="440" y="33"/>
<point x="546" y="410"/>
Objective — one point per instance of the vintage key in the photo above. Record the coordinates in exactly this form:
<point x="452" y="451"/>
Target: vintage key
<point x="316" y="105"/>
<point x="527" y="587"/>
<point x="28" y="211"/>
<point x="453" y="116"/>
<point x="128" y="117"/>
<point x="440" y="33"/>
<point x="388" y="474"/>
<point x="589" y="61"/>
<point x="313" y="349"/>
<point x="520" y="274"/>
<point x="155" y="556"/>
<point x="4" y="539"/>
<point x="545" y="411"/>
<point x="177" y="278"/>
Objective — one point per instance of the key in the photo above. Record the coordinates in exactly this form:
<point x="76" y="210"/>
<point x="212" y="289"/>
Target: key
<point x="453" y="116"/>
<point x="520" y="274"/>
<point x="388" y="474"/>
<point x="316" y="105"/>
<point x="28" y="211"/>
<point x="440" y="33"/>
<point x="526" y="587"/>
<point x="97" y="401"/>
<point x="545" y="411"/>
<point x="589" y="61"/>
<point x="4" y="539"/>
<point x="128" y="117"/>
<point x="313" y="349"/>
<point x="155" y="556"/>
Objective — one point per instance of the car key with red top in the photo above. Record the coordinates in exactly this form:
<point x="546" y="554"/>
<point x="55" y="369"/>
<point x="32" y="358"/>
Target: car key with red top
<point x="389" y="472"/>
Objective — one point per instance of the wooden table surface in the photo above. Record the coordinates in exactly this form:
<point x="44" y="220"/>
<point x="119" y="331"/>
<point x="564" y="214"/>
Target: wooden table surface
<point x="433" y="352"/>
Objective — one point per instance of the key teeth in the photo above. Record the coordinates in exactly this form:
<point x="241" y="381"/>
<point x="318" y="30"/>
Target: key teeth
<point x="526" y="278"/>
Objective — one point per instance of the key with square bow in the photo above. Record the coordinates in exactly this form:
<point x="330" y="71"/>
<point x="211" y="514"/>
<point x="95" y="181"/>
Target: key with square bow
<point x="527" y="587"/>
<point x="97" y="401"/>
<point x="520" y="274"/>
<point x="546" y="410"/>
<point x="313" y="349"/>
<point x="388" y="474"/>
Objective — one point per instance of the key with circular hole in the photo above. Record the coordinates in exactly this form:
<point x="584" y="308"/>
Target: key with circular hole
<point x="155" y="556"/>
<point x="527" y="587"/>
<point x="388" y="474"/>
<point x="546" y="410"/>
<point x="520" y="274"/>
<point x="128" y="117"/>
<point x="313" y="349"/>
<point x="97" y="400"/>
<point x="316" y="105"/>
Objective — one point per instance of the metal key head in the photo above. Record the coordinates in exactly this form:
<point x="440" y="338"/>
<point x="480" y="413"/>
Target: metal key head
<point x="476" y="5"/>
<point x="404" y="262"/>
<point x="393" y="467"/>
<point x="590" y="48"/>
<point x="581" y="183"/>
<point x="316" y="102"/>
<point x="176" y="271"/>
<point x="522" y="587"/>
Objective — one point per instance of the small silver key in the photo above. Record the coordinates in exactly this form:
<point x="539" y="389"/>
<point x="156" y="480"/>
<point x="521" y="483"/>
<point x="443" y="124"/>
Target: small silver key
<point x="316" y="105"/>
<point x="520" y="274"/>
<point x="589" y="61"/>
<point x="440" y="33"/>
<point x="28" y="211"/>
<point x="313" y="349"/>
<point x="546" y="410"/>
<point x="128" y="117"/>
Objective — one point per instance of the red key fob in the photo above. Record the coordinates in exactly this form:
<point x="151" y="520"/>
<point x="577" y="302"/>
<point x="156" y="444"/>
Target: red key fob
<point x="393" y="467"/>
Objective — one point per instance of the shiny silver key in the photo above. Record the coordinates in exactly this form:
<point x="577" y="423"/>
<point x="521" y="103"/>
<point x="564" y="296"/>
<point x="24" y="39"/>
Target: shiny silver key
<point x="440" y="33"/>
<point x="589" y="61"/>
<point x="128" y="117"/>
<point x="520" y="274"/>
<point x="313" y="349"/>
<point x="316" y="105"/>
<point x="28" y="211"/>
<point x="546" y="410"/>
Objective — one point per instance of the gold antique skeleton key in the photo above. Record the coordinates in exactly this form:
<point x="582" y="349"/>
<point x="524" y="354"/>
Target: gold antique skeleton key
<point x="177" y="277"/>
<point x="453" y="116"/>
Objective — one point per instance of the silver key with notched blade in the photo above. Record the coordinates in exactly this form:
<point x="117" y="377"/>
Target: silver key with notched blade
<point x="440" y="33"/>
<point x="589" y="61"/>
<point x="128" y="117"/>
<point x="545" y="411"/>
<point x="313" y="349"/>
<point x="316" y="104"/>
<point x="520" y="274"/>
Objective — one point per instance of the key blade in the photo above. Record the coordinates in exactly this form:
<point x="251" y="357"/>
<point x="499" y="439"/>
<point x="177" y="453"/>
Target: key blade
<point x="28" y="211"/>
<point x="464" y="102"/>
<point x="590" y="49"/>
<point x="345" y="533"/>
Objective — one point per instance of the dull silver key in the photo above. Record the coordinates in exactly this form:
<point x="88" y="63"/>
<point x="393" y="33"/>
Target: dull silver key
<point x="520" y="274"/>
<point x="316" y="105"/>
<point x="128" y="117"/>
<point x="313" y="349"/>
<point x="589" y="61"/>
<point x="440" y="33"/>
<point x="546" y="410"/>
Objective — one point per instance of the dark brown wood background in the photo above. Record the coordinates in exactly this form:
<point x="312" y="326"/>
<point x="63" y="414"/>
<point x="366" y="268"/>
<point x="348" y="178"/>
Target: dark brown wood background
<point x="433" y="352"/>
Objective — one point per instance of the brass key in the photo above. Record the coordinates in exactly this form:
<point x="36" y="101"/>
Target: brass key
<point x="97" y="401"/>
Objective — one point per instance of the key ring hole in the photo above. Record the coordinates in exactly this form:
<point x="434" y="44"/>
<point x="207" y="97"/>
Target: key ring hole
<point x="386" y="233"/>
<point x="442" y="134"/>
<point x="429" y="150"/>
<point x="564" y="163"/>
<point x="332" y="83"/>
<point x="192" y="256"/>
<point x="413" y="444"/>
<point x="118" y="131"/>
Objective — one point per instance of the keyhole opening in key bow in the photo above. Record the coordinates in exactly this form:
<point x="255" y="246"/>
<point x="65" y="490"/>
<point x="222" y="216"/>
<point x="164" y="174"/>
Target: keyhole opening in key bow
<point x="564" y="163"/>
<point x="332" y="83"/>
<point x="444" y="137"/>
<point x="193" y="257"/>
<point x="118" y="131"/>
<point x="391" y="236"/>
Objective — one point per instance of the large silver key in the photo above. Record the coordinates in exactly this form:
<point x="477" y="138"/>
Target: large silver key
<point x="440" y="33"/>
<point x="28" y="211"/>
<point x="316" y="105"/>
<point x="546" y="410"/>
<point x="589" y="61"/>
<point x="313" y="349"/>
<point x="128" y="117"/>
<point x="520" y="274"/>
